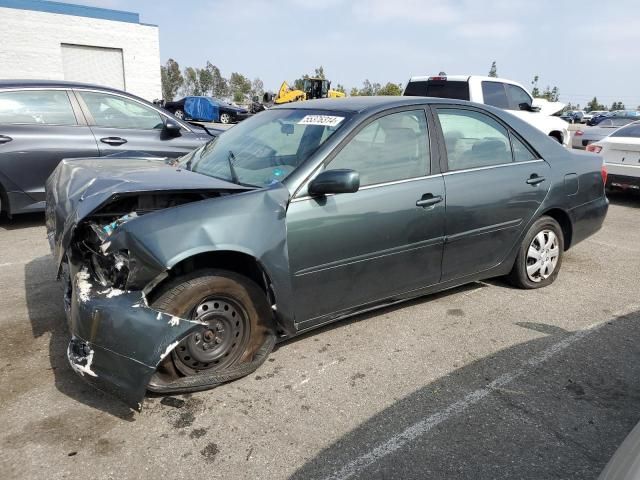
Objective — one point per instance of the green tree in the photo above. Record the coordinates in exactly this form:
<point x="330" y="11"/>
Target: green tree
<point x="493" y="71"/>
<point x="551" y="94"/>
<point x="239" y="86"/>
<point x="354" y="92"/>
<point x="617" y="106"/>
<point x="257" y="89"/>
<point x="191" y="85"/>
<point x="369" y="89"/>
<point x="171" y="78"/>
<point x="535" y="91"/>
<point x="319" y="72"/>
<point x="218" y="84"/>
<point x="391" y="89"/>
<point x="594" y="105"/>
<point x="339" y="88"/>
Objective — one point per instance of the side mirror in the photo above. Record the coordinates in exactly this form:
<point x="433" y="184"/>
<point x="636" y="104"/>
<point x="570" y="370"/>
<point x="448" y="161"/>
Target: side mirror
<point x="528" y="107"/>
<point x="171" y="128"/>
<point x="335" y="181"/>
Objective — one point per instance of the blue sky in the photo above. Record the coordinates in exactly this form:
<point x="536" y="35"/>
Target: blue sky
<point x="584" y="47"/>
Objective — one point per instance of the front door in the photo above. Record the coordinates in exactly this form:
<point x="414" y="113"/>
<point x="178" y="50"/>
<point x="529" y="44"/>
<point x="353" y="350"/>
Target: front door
<point x="495" y="183"/>
<point x="350" y="250"/>
<point x="121" y="124"/>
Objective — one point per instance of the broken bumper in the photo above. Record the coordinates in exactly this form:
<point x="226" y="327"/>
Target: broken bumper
<point x="117" y="339"/>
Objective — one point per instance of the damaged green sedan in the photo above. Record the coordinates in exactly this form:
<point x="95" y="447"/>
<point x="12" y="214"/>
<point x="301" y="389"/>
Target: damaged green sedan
<point x="182" y="276"/>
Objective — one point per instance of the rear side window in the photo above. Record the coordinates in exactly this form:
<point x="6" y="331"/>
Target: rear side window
<point x="473" y="139"/>
<point x="520" y="151"/>
<point x="117" y="112"/>
<point x="44" y="107"/>
<point x="393" y="147"/>
<point x="495" y="94"/>
<point x="630" y="131"/>
<point x="517" y="96"/>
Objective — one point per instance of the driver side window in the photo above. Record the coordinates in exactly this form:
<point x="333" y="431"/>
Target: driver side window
<point x="393" y="147"/>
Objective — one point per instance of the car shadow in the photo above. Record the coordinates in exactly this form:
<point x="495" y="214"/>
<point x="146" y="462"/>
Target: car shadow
<point x="624" y="198"/>
<point x="21" y="221"/>
<point x="46" y="315"/>
<point x="557" y="406"/>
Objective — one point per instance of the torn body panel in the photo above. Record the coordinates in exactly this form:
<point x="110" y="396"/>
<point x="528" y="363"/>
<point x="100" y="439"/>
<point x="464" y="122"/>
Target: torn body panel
<point x="118" y="340"/>
<point x="111" y="253"/>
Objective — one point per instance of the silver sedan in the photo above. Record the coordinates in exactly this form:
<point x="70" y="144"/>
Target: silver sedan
<point x="587" y="135"/>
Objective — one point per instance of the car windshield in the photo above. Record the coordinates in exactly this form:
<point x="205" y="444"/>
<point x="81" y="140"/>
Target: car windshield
<point x="266" y="148"/>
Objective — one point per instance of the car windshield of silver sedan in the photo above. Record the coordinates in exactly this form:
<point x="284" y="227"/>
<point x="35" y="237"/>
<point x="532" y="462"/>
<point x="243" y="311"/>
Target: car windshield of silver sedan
<point x="266" y="148"/>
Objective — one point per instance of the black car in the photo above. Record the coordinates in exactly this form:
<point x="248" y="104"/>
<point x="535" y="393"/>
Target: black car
<point x="206" y="109"/>
<point x="185" y="276"/>
<point x="42" y="122"/>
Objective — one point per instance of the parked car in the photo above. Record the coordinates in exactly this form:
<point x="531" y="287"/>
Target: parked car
<point x="498" y="92"/>
<point x="583" y="137"/>
<point x="568" y="117"/>
<point x="633" y="114"/>
<point x="206" y="109"/>
<point x="621" y="153"/>
<point x="184" y="277"/>
<point x="42" y="122"/>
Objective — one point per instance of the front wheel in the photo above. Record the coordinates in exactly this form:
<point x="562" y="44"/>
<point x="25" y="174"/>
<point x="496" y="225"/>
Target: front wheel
<point x="237" y="317"/>
<point x="179" y="114"/>
<point x="225" y="118"/>
<point x="539" y="256"/>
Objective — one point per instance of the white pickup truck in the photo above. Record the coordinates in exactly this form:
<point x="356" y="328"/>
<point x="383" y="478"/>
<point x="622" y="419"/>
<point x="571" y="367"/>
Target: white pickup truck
<point x="498" y="92"/>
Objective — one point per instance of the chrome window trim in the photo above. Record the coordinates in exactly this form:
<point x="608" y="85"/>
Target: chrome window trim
<point x="40" y="89"/>
<point x="488" y="167"/>
<point x="375" y="185"/>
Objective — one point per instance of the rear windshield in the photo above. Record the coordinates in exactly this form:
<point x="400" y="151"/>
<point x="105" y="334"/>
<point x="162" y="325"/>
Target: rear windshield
<point x="630" y="131"/>
<point x="438" y="88"/>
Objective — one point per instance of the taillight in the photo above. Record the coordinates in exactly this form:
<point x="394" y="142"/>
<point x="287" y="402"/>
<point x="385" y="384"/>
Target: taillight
<point x="579" y="133"/>
<point x="594" y="148"/>
<point x="603" y="172"/>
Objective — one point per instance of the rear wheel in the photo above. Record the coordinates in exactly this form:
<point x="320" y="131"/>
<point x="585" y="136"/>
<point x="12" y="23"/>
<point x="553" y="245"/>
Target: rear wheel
<point x="225" y="118"/>
<point x="540" y="255"/>
<point x="235" y="310"/>
<point x="179" y="114"/>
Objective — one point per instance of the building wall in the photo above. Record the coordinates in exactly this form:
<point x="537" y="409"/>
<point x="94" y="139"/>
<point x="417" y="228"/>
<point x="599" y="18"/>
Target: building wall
<point x="30" y="47"/>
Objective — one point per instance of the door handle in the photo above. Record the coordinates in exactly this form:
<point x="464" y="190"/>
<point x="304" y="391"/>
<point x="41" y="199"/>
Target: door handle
<point x="5" y="139"/>
<point x="534" y="179"/>
<point x="113" y="140"/>
<point x="428" y="200"/>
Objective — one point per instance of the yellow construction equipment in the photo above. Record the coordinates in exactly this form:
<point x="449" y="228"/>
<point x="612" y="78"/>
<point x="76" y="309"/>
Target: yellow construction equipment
<point x="312" y="88"/>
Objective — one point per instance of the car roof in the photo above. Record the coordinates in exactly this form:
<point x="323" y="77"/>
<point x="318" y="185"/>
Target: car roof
<point x="51" y="84"/>
<point x="365" y="103"/>
<point x="463" y="78"/>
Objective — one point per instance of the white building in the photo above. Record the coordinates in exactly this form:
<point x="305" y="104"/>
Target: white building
<point x="47" y="40"/>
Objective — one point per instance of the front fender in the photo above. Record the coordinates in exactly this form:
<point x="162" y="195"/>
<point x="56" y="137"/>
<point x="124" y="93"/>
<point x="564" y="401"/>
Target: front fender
<point x="253" y="223"/>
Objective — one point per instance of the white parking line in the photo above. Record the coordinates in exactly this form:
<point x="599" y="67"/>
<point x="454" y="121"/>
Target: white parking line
<point x="424" y="426"/>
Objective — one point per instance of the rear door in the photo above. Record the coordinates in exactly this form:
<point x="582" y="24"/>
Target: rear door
<point x="494" y="182"/>
<point x="123" y="124"/>
<point x="38" y="128"/>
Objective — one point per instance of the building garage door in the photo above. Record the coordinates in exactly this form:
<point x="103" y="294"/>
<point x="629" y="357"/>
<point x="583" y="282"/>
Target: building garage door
<point x="103" y="66"/>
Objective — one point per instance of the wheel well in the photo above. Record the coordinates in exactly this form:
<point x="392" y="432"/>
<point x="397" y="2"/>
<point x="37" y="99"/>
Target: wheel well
<point x="557" y="135"/>
<point x="4" y="200"/>
<point x="237" y="262"/>
<point x="563" y="219"/>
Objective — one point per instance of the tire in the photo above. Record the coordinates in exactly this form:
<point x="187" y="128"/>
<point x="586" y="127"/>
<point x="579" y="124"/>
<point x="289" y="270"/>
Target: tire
<point x="529" y="272"/>
<point x="225" y="118"/>
<point x="179" y="114"/>
<point x="556" y="138"/>
<point x="236" y="309"/>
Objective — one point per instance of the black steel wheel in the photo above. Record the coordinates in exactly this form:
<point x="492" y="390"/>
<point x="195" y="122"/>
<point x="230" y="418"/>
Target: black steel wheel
<point x="237" y="314"/>
<point x="221" y="344"/>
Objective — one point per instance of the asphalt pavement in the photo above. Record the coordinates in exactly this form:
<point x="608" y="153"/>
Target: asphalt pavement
<point x="481" y="382"/>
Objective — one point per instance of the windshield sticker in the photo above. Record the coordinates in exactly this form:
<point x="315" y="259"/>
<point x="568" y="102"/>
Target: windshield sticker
<point x="323" y="120"/>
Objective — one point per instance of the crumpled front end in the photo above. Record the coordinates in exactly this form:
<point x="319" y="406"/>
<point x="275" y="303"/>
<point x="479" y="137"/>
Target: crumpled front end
<point x="117" y="339"/>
